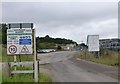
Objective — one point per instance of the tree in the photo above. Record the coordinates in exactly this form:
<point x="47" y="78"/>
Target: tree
<point x="47" y="36"/>
<point x="59" y="48"/>
<point x="83" y="45"/>
<point x="4" y="33"/>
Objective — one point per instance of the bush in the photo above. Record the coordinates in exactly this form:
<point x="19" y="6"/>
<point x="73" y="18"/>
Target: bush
<point x="59" y="48"/>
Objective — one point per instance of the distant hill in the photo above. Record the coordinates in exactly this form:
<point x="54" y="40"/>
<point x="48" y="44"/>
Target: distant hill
<point x="49" y="42"/>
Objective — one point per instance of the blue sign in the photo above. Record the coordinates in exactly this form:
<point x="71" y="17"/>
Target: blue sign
<point x="25" y="37"/>
<point x="25" y="41"/>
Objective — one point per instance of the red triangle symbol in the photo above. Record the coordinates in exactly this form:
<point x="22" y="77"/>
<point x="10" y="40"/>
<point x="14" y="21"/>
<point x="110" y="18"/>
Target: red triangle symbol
<point x="25" y="49"/>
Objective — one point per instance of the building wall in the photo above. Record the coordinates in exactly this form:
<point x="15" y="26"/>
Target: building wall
<point x="112" y="44"/>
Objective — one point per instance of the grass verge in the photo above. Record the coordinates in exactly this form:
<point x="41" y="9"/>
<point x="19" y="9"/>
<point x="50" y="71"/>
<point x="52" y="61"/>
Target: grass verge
<point x="25" y="77"/>
<point x="0" y="76"/>
<point x="107" y="57"/>
<point x="20" y="77"/>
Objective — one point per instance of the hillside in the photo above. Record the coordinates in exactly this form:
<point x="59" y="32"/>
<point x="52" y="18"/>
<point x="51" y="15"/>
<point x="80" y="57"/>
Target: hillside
<point x="49" y="42"/>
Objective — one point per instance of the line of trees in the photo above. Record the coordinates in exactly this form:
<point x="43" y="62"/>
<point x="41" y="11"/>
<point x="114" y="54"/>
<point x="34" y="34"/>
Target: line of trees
<point x="3" y="34"/>
<point x="47" y="38"/>
<point x="49" y="42"/>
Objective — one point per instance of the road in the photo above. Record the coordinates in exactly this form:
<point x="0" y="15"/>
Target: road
<point x="63" y="67"/>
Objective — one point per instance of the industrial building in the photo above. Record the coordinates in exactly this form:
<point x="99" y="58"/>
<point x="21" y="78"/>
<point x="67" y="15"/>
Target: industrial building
<point x="112" y="44"/>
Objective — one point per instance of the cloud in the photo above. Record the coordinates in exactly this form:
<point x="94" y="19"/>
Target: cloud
<point x="73" y="20"/>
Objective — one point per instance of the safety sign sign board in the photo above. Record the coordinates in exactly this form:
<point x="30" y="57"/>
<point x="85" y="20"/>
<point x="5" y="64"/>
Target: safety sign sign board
<point x="25" y="40"/>
<point x="93" y="42"/>
<point x="19" y="41"/>
<point x="24" y="49"/>
<point x="12" y="49"/>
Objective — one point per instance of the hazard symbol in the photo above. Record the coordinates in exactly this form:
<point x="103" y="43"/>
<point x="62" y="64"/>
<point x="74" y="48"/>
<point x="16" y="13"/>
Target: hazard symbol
<point x="24" y="49"/>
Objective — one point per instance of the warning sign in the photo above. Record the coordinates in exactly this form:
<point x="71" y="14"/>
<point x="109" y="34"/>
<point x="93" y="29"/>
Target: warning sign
<point x="12" y="49"/>
<point x="19" y="41"/>
<point x="25" y="49"/>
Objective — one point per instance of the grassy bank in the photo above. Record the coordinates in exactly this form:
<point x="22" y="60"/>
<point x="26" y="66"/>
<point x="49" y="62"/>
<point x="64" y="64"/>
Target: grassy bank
<point x="25" y="77"/>
<point x="20" y="77"/>
<point x="0" y="52"/>
<point x="0" y="76"/>
<point x="107" y="57"/>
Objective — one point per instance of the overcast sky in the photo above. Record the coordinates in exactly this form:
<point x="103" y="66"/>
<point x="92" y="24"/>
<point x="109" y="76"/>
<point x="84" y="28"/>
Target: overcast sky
<point x="71" y="20"/>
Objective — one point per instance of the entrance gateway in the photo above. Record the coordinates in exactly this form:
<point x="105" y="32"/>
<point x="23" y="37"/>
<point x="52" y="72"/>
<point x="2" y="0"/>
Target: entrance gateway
<point x="21" y="40"/>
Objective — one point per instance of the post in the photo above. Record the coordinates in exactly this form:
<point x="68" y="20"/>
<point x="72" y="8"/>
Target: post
<point x="98" y="54"/>
<point x="88" y="55"/>
<point x="14" y="62"/>
<point x="35" y="59"/>
<point x="8" y="67"/>
<point x="85" y="54"/>
<point x="20" y="61"/>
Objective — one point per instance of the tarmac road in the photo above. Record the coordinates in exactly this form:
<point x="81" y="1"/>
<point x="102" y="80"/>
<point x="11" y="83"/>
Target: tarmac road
<point x="63" y="67"/>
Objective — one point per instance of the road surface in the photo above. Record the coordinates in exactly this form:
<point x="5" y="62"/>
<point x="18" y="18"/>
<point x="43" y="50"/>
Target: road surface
<point x="63" y="67"/>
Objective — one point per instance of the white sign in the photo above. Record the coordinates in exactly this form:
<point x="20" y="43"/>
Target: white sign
<point x="19" y="41"/>
<point x="93" y="42"/>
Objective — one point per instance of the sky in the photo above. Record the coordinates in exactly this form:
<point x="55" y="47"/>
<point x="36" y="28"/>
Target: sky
<point x="70" y="20"/>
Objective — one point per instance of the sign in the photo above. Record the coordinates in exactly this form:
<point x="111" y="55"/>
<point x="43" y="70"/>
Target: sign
<point x="20" y="25"/>
<point x="12" y="44"/>
<point x="25" y="40"/>
<point x="25" y="43"/>
<point x="19" y="41"/>
<point x="93" y="42"/>
<point x="12" y="49"/>
<point x="24" y="49"/>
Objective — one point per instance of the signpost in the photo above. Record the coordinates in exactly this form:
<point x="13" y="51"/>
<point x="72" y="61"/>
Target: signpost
<point x="93" y="44"/>
<point x="22" y="41"/>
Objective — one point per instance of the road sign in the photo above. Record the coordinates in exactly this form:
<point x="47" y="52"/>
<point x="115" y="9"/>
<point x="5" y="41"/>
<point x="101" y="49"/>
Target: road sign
<point x="12" y="49"/>
<point x="24" y="49"/>
<point x="93" y="42"/>
<point x="19" y="38"/>
<point x="25" y="40"/>
<point x="20" y="41"/>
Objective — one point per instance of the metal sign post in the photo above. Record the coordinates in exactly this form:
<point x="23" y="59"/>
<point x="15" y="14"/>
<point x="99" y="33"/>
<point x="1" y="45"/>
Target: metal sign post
<point x="88" y="55"/>
<point x="98" y="54"/>
<point x="15" y="63"/>
<point x="35" y="60"/>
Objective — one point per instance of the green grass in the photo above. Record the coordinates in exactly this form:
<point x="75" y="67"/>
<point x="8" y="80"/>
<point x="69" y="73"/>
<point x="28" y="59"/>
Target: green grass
<point x="0" y="53"/>
<point x="107" y="57"/>
<point x="25" y="77"/>
<point x="45" y="78"/>
<point x="0" y="76"/>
